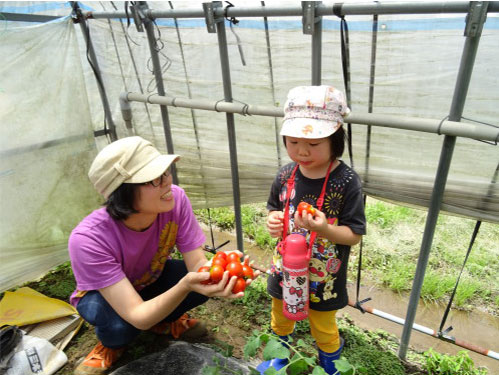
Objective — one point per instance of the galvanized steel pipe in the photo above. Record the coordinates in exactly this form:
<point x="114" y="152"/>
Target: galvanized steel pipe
<point x="446" y="127"/>
<point x="322" y="10"/>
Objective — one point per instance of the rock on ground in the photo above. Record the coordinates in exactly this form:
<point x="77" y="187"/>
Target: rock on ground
<point x="182" y="358"/>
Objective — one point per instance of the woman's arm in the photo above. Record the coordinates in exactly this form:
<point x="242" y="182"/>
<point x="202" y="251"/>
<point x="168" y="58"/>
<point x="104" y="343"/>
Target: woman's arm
<point x="125" y="300"/>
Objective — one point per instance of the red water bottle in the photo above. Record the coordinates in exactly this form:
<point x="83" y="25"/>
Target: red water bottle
<point x="295" y="280"/>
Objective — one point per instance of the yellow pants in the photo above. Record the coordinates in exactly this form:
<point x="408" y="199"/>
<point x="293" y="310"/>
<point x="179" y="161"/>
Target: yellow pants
<point x="322" y="326"/>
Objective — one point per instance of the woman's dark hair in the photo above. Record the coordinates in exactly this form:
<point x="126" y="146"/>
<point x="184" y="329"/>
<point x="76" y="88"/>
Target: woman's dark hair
<point x="119" y="205"/>
<point x="337" y="142"/>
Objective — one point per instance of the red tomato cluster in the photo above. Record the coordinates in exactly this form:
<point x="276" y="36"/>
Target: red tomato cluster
<point x="304" y="206"/>
<point x="230" y="262"/>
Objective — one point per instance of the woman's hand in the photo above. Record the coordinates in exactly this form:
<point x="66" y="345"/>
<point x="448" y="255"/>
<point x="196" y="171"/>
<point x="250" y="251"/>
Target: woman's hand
<point x="316" y="223"/>
<point x="222" y="289"/>
<point x="275" y="220"/>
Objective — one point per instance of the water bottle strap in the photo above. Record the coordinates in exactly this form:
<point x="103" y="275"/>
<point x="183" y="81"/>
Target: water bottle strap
<point x="290" y="187"/>
<point x="320" y="202"/>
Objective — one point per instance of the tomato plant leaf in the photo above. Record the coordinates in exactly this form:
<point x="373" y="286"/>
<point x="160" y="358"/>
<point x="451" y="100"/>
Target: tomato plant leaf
<point x="343" y="366"/>
<point x="274" y="349"/>
<point x="299" y="366"/>
<point x="310" y="361"/>
<point x="251" y="347"/>
<point x="301" y="343"/>
<point x="265" y="337"/>
<point x="271" y="371"/>
<point x="318" y="370"/>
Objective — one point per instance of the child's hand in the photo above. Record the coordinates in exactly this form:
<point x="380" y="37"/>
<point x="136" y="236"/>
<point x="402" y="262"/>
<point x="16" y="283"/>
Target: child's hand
<point x="317" y="223"/>
<point x="275" y="224"/>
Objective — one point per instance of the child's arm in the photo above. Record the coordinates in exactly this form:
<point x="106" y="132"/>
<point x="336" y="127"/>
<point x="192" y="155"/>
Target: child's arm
<point x="339" y="234"/>
<point x="275" y="223"/>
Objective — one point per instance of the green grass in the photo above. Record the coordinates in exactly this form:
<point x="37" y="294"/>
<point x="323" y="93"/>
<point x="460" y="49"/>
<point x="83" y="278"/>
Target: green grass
<point x="370" y="350"/>
<point x="253" y="217"/>
<point x="459" y="364"/>
<point x="58" y="283"/>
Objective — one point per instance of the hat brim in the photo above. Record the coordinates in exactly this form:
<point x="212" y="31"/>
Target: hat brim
<point x="309" y="128"/>
<point x="153" y="169"/>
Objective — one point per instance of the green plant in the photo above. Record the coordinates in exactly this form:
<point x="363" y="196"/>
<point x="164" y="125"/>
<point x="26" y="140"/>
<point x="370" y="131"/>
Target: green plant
<point x="299" y="362"/>
<point x="368" y="350"/>
<point x="221" y="366"/>
<point x="443" y="364"/>
<point x="58" y="283"/>
<point x="253" y="217"/>
<point x="398" y="277"/>
<point x="255" y="304"/>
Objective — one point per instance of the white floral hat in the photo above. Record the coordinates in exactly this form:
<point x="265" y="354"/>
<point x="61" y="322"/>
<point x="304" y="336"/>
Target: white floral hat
<point x="313" y="112"/>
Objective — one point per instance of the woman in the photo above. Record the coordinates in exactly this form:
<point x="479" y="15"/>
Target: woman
<point x="120" y="254"/>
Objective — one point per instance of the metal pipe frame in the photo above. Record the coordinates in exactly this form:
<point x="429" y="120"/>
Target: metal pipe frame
<point x="165" y="119"/>
<point x="231" y="131"/>
<point x="429" y="331"/>
<point x="22" y="17"/>
<point x="435" y="126"/>
<point x="461" y="89"/>
<point x="448" y="128"/>
<point x="321" y="10"/>
<point x="271" y="73"/>
<point x="317" y="50"/>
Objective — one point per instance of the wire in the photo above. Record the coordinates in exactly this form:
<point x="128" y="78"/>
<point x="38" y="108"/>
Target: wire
<point x="235" y="21"/>
<point x="158" y="46"/>
<point x="128" y="21"/>
<point x="77" y="11"/>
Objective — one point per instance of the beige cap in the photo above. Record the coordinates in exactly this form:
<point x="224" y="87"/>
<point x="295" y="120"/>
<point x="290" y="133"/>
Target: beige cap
<point x="130" y="160"/>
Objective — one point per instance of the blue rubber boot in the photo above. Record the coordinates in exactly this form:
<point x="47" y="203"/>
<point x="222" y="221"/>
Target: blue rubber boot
<point x="276" y="363"/>
<point x="326" y="359"/>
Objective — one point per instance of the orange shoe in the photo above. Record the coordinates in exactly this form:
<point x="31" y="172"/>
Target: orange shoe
<point x="98" y="361"/>
<point x="182" y="327"/>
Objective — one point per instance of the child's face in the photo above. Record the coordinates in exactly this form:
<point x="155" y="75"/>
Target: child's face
<point x="312" y="155"/>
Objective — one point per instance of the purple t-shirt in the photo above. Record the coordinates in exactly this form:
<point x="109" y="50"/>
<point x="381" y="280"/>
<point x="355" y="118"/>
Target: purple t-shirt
<point x="103" y="251"/>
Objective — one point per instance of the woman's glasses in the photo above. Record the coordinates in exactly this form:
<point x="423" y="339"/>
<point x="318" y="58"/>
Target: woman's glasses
<point x="161" y="180"/>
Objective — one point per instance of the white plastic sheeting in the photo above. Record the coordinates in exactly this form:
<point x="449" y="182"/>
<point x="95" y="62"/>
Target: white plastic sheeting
<point x="46" y="145"/>
<point x="416" y="69"/>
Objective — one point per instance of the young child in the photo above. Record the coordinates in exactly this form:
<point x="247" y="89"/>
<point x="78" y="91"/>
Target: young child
<point x="314" y="138"/>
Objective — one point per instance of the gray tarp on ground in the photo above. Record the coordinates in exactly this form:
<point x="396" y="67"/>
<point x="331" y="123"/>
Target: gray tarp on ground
<point x="181" y="358"/>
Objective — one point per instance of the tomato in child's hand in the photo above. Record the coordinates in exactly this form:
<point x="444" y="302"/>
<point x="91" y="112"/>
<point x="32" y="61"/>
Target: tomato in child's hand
<point x="233" y="257"/>
<point x="247" y="272"/>
<point x="216" y="273"/>
<point x="239" y="286"/>
<point x="304" y="206"/>
<point x="235" y="269"/>
<point x="220" y="261"/>
<point x="205" y="269"/>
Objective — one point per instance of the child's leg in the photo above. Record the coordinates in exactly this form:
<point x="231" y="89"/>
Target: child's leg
<point x="281" y="325"/>
<point x="324" y="329"/>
